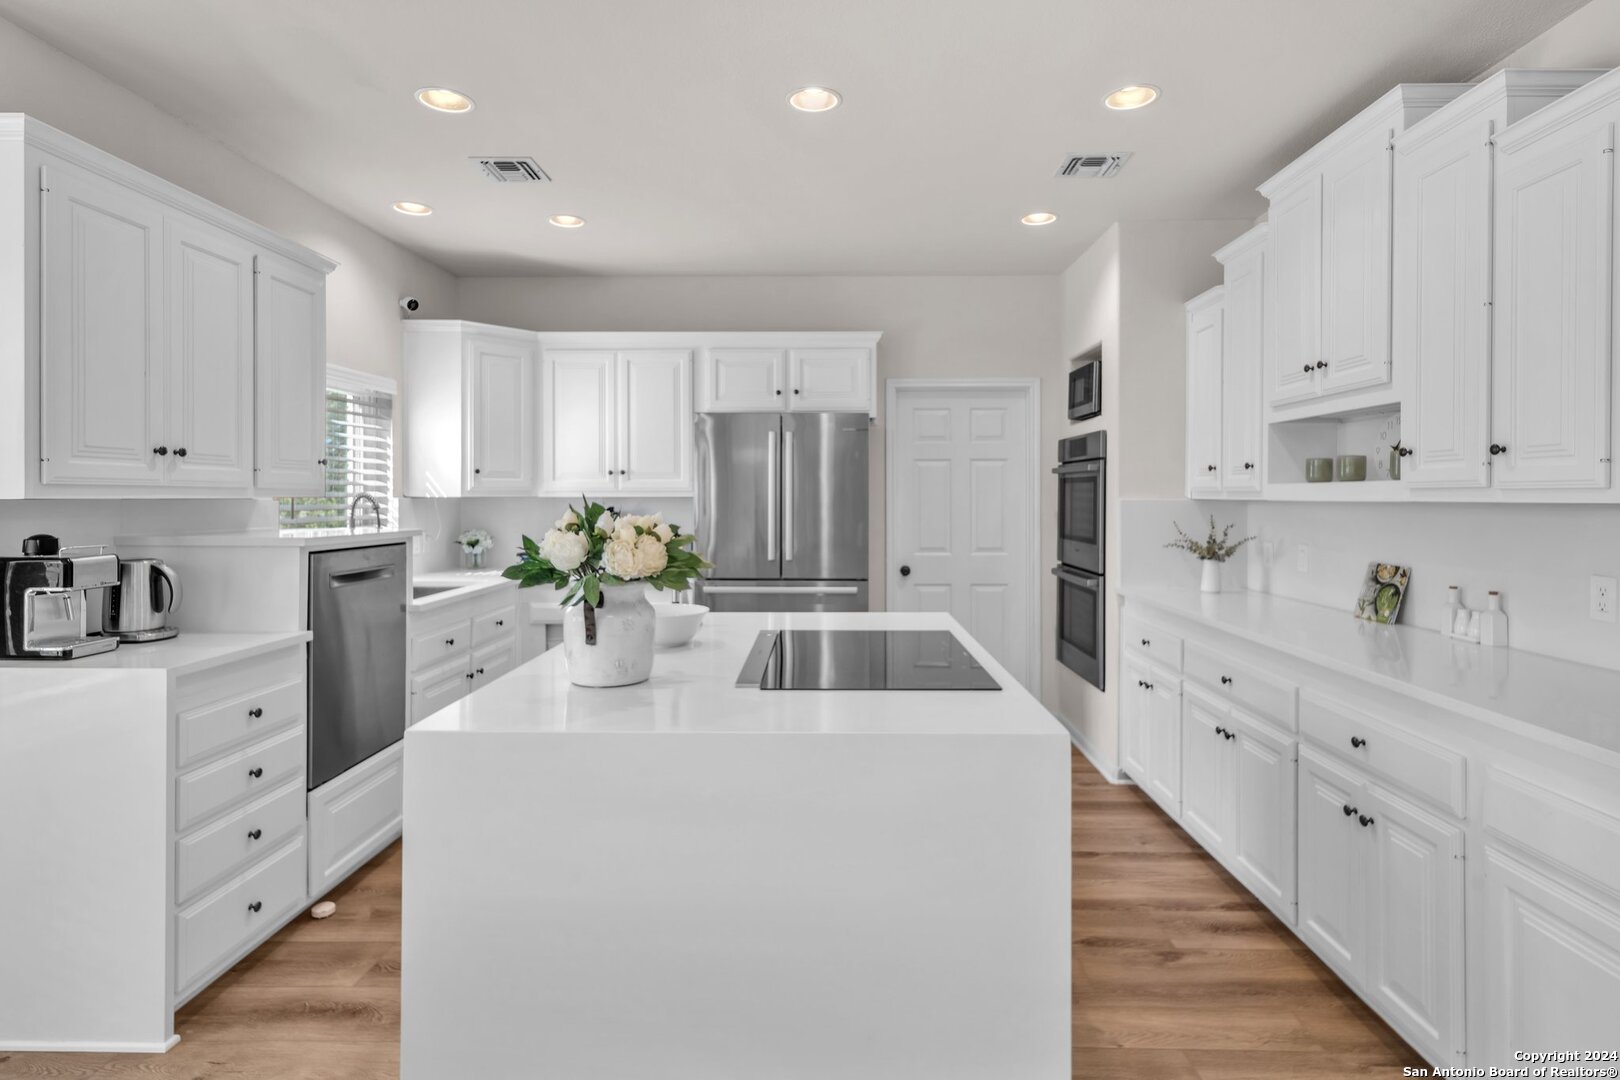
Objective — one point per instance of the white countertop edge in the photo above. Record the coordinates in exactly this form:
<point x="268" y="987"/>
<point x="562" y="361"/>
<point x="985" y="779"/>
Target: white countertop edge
<point x="465" y="584"/>
<point x="270" y="539"/>
<point x="1179" y="603"/>
<point x="186" y="654"/>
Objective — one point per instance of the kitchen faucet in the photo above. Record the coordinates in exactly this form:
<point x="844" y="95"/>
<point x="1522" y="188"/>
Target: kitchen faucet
<point x="376" y="511"/>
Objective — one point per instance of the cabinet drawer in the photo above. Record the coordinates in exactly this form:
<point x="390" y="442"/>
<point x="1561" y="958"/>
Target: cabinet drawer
<point x="437" y="687"/>
<point x="1152" y="641"/>
<point x="203" y="792"/>
<point x="1387" y="752"/>
<point x="222" y="848"/>
<point x="1578" y="838"/>
<point x="251" y="713"/>
<point x="1243" y="684"/>
<point x="494" y="626"/>
<point x="448" y="641"/>
<point x="493" y="661"/>
<point x="228" y="682"/>
<point x="354" y="817"/>
<point x="241" y="911"/>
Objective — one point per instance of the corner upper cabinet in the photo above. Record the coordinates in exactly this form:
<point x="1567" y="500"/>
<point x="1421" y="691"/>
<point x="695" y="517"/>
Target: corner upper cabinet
<point x="1204" y="344"/>
<point x="1242" y="360"/>
<point x="470" y="406"/>
<point x="616" y="421"/>
<point x="1328" y="266"/>
<point x="809" y="372"/>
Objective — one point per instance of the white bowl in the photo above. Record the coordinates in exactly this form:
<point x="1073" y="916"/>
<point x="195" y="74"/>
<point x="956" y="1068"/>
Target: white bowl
<point x="676" y="624"/>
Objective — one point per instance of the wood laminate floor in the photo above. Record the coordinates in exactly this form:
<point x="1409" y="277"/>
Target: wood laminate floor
<point x="1179" y="974"/>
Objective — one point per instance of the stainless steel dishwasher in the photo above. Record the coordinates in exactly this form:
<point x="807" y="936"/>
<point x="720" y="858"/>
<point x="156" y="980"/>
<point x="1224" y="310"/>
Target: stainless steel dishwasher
<point x="357" y="706"/>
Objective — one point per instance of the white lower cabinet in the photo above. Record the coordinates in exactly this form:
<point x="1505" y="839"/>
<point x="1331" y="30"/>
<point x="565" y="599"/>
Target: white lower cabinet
<point x="1151" y="714"/>
<point x="458" y="647"/>
<point x="241" y="913"/>
<point x="1206" y="771"/>
<point x="354" y="816"/>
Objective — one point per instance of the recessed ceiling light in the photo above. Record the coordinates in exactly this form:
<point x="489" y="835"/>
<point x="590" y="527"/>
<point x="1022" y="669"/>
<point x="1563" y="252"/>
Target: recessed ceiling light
<point x="443" y="99"/>
<point x="566" y="221"/>
<point x="1039" y="217"/>
<point x="814" y="99"/>
<point x="1132" y="97"/>
<point x="415" y="209"/>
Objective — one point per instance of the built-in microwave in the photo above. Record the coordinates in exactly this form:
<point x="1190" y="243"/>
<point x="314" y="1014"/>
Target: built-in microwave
<point x="1080" y="628"/>
<point x="1081" y="472"/>
<point x="1085" y="390"/>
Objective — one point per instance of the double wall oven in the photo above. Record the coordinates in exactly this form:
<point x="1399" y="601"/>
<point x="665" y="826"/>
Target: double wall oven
<point x="1081" y="472"/>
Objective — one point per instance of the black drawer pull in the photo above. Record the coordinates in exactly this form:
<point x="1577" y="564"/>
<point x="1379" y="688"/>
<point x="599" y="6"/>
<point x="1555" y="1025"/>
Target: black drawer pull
<point x="1365" y="820"/>
<point x="470" y="675"/>
<point x="449" y="641"/>
<point x="255" y="712"/>
<point x="256" y="772"/>
<point x="1226" y="680"/>
<point x="255" y="906"/>
<point x="480" y="671"/>
<point x="1349" y="811"/>
<point x="500" y="622"/>
<point x="1146" y="643"/>
<point x="1357" y="741"/>
<point x="255" y="834"/>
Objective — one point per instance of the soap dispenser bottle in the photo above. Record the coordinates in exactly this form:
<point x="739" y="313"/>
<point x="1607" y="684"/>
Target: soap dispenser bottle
<point x="1493" y="623"/>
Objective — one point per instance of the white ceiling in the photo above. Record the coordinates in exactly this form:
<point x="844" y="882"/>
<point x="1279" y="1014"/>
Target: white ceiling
<point x="664" y="123"/>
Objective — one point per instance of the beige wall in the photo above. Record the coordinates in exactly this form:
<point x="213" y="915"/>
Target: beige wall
<point x="932" y="326"/>
<point x="1588" y="38"/>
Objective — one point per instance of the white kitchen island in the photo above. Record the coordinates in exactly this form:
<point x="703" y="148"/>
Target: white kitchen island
<point x="691" y="880"/>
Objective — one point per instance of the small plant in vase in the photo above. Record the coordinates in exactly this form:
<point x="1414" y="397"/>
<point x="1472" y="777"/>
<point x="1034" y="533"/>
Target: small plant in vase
<point x="1211" y="551"/>
<point x="474" y="542"/>
<point x="605" y="562"/>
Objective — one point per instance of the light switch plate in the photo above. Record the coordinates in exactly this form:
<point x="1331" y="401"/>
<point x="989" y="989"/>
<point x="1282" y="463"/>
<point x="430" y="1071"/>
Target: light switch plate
<point x="1601" y="603"/>
<point x="416" y="545"/>
<point x="1302" y="559"/>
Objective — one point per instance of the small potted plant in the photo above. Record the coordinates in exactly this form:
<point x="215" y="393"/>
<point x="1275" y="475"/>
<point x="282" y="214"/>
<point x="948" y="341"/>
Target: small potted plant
<point x="1213" y="551"/>
<point x="474" y="542"/>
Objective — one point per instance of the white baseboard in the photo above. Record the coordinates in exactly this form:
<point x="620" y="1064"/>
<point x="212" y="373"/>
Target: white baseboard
<point x="14" y="1046"/>
<point x="1109" y="770"/>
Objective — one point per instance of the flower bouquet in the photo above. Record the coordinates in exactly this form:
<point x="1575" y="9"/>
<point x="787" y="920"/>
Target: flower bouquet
<point x="474" y="542"/>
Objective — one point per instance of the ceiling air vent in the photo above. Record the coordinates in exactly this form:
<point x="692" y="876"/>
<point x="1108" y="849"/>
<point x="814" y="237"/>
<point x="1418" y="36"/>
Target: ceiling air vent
<point x="1092" y="166"/>
<point x="512" y="170"/>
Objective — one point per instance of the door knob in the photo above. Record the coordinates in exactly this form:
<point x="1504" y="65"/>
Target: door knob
<point x="905" y="571"/>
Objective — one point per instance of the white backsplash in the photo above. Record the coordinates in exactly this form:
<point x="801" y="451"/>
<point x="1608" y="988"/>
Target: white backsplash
<point x="510" y="519"/>
<point x="1540" y="558"/>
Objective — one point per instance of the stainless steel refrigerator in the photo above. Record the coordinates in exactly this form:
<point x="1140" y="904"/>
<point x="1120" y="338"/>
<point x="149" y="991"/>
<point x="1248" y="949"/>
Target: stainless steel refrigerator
<point x="782" y="511"/>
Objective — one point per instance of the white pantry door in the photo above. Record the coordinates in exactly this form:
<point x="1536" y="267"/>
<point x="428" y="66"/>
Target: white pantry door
<point x="964" y="512"/>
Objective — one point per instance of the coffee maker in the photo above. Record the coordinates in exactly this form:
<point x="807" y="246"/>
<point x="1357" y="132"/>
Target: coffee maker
<point x="45" y="600"/>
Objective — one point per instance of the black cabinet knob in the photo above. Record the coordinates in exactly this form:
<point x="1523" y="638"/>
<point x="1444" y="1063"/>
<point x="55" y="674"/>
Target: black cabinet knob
<point x="1231" y="734"/>
<point x="1307" y="369"/>
<point x="179" y="451"/>
<point x="795" y="390"/>
<point x="1357" y="741"/>
<point x="470" y="675"/>
<point x="905" y="571"/>
<point x="321" y="462"/>
<point x="256" y="906"/>
<point x="480" y="671"/>
<point x="1320" y="364"/>
<point x="256" y="772"/>
<point x="255" y="712"/>
<point x="1146" y="643"/>
<point x="624" y="472"/>
<point x="255" y="834"/>
<point x="1248" y="466"/>
<point x="1498" y="448"/>
<point x="1220" y="730"/>
<point x="779" y="393"/>
<point x="1142" y="683"/>
<point x="1210" y="468"/>
<point x="500" y="622"/>
<point x="1365" y="820"/>
<point x="161" y="451"/>
<point x="1405" y="451"/>
<point x="1226" y="680"/>
<point x="1349" y="811"/>
<point x="1147" y="686"/>
<point x="477" y="471"/>
<point x="449" y="641"/>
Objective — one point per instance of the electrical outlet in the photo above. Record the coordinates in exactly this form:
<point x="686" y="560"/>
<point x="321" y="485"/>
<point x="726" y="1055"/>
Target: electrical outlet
<point x="1602" y="599"/>
<point x="1302" y="559"/>
<point x="416" y="545"/>
<point x="1268" y="552"/>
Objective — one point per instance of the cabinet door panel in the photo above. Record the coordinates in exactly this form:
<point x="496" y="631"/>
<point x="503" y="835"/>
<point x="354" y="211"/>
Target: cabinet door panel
<point x="1332" y="864"/>
<point x="102" y="362"/>
<point x="1550" y="378"/>
<point x="1552" y="960"/>
<point x="1441" y="317"/>
<point x="1206" y="772"/>
<point x="1293" y="275"/>
<point x="500" y="420"/>
<point x="1243" y="321"/>
<point x="1133" y="721"/>
<point x="745" y="380"/>
<point x="1164" y="742"/>
<point x="1204" y="334"/>
<point x="1415" y="967"/>
<point x="1263" y="811"/>
<point x="578" y="439"/>
<point x="830" y="379"/>
<point x="209" y="278"/>
<point x="289" y="375"/>
<point x="1356" y="265"/>
<point x="655" y="433"/>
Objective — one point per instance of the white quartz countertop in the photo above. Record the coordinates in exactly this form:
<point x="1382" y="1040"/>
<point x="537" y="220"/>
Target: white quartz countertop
<point x="314" y="540"/>
<point x="1543" y="697"/>
<point x="457" y="585"/>
<point x="180" y="655"/>
<point x="693" y="691"/>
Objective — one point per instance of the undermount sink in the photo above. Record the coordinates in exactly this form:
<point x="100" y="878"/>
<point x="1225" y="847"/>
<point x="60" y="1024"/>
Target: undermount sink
<point x="419" y="591"/>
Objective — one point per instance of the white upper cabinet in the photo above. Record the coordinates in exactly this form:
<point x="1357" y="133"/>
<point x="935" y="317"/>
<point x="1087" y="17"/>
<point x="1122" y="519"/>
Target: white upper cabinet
<point x="500" y="415"/>
<point x="290" y="377"/>
<point x="616" y="421"/>
<point x="808" y="372"/>
<point x="1242" y="361"/>
<point x="162" y="365"/>
<point x="1328" y="269"/>
<point x="1552" y="388"/>
<point x="1204" y="344"/>
<point x="1442" y="288"/>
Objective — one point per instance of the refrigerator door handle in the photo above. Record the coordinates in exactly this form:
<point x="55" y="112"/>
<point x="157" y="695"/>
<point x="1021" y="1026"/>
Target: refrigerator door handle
<point x="784" y="590"/>
<point x="770" y="496"/>
<point x="787" y="495"/>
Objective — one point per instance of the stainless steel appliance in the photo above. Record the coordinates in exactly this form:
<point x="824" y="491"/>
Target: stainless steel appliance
<point x="1085" y="390"/>
<point x="357" y="689"/>
<point x="1080" y="624"/>
<point x="137" y="609"/>
<point x="1081" y="471"/>
<point x="45" y="600"/>
<point x="863" y="660"/>
<point x="782" y="511"/>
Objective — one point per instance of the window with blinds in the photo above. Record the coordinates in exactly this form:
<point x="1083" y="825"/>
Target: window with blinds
<point x="359" y="458"/>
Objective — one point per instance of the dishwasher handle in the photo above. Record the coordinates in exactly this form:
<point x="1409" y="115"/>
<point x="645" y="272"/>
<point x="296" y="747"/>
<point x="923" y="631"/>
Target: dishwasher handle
<point x="338" y="579"/>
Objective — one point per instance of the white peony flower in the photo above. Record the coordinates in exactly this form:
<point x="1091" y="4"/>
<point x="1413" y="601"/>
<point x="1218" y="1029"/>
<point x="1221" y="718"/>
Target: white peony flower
<point x="606" y="523"/>
<point x="568" y="521"/>
<point x="651" y="558"/>
<point x="664" y="533"/>
<point x="564" y="550"/>
<point x="626" y="531"/>
<point x="619" y="557"/>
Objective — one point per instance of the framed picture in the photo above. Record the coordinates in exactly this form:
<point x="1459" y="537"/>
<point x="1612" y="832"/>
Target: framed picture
<point x="1382" y="591"/>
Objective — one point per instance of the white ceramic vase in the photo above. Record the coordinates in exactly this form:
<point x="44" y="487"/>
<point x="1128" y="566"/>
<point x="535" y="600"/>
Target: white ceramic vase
<point x="622" y="652"/>
<point x="1212" y="577"/>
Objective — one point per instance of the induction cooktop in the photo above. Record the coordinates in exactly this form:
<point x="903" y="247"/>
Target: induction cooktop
<point x="862" y="660"/>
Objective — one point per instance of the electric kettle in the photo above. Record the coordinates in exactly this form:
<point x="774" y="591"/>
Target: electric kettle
<point x="136" y="609"/>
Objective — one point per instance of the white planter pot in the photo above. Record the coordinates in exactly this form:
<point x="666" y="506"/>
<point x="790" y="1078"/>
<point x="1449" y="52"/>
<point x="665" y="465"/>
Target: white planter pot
<point x="623" y="649"/>
<point x="1212" y="577"/>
